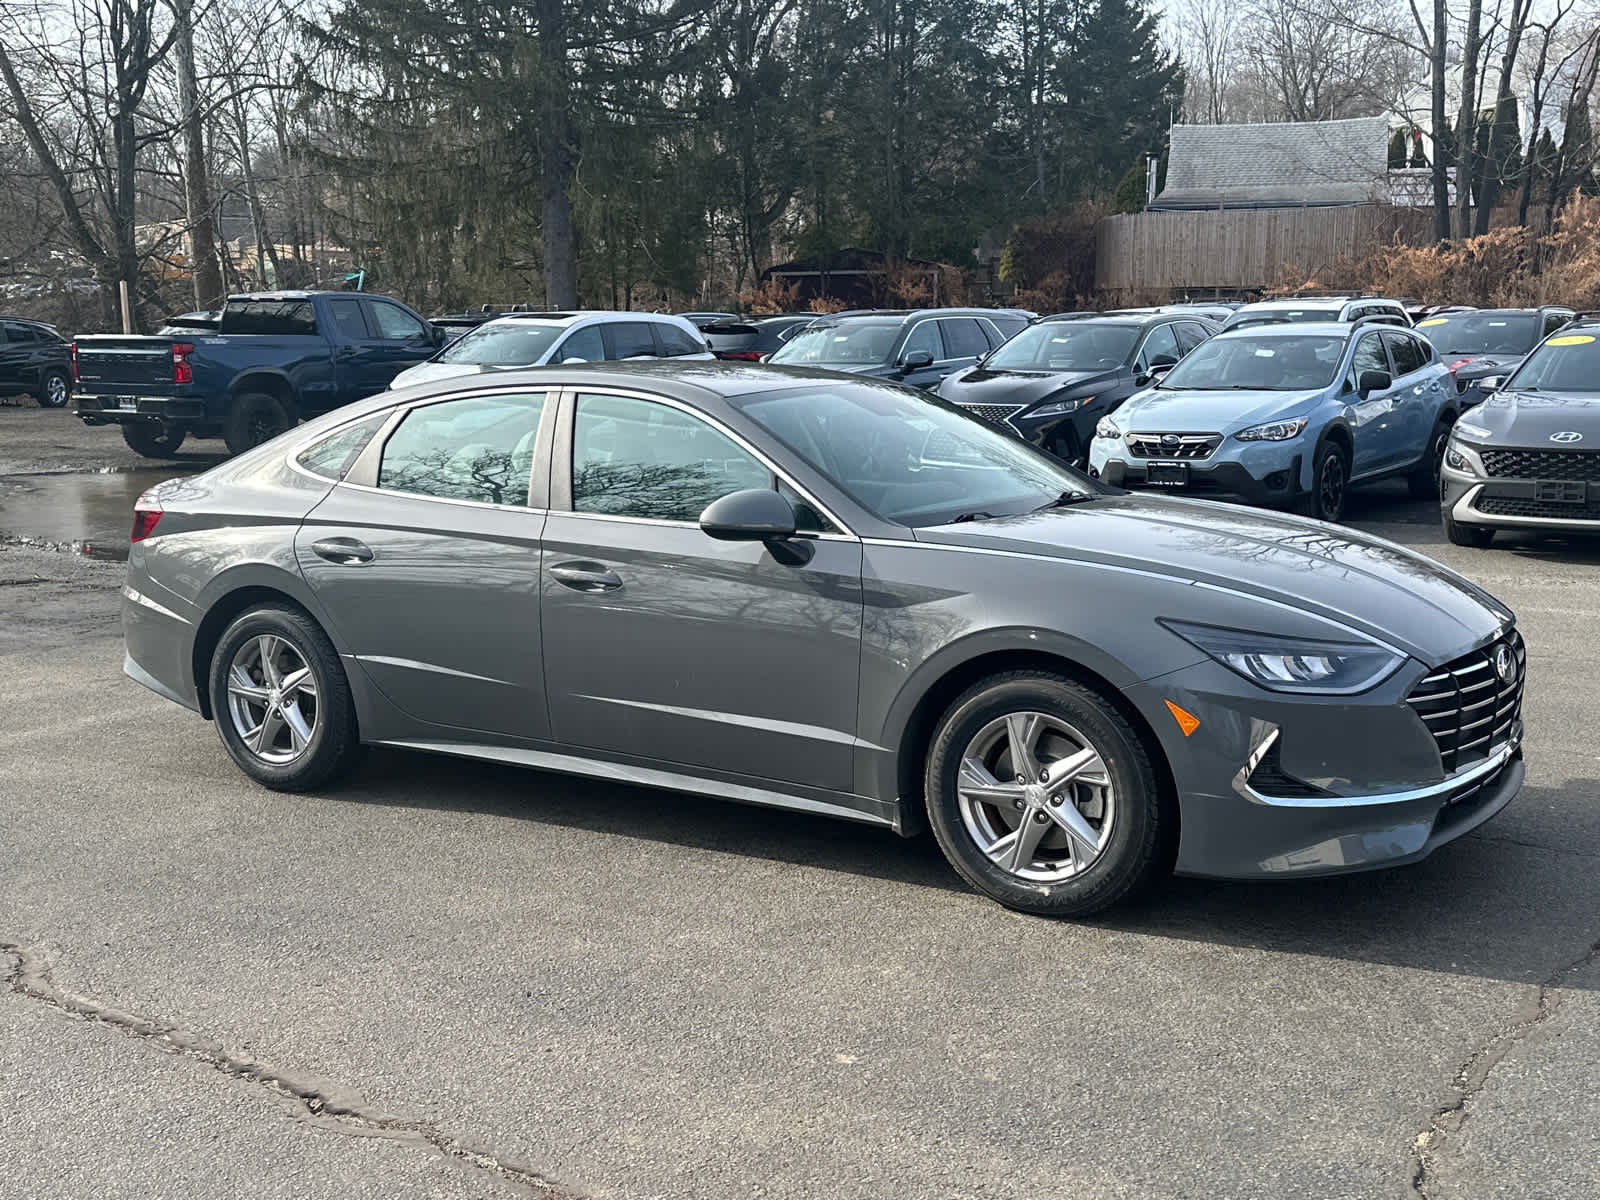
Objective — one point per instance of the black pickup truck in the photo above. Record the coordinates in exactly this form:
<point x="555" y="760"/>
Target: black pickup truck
<point x="275" y="357"/>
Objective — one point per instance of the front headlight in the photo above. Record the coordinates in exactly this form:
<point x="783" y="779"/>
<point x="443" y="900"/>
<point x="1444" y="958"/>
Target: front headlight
<point x="1282" y="664"/>
<point x="1459" y="456"/>
<point x="1060" y="408"/>
<point x="1107" y="428"/>
<point x="1273" y="431"/>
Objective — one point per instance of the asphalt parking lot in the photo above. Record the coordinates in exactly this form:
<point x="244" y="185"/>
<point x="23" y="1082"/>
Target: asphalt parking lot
<point x="454" y="980"/>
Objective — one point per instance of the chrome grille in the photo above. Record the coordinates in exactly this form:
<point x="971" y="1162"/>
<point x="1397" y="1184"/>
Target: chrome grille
<point x="1187" y="445"/>
<point x="1467" y="707"/>
<point x="1542" y="464"/>
<point x="995" y="414"/>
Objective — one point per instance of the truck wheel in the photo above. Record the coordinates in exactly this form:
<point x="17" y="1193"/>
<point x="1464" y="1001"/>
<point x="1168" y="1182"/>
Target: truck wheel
<point x="254" y="417"/>
<point x="154" y="439"/>
<point x="55" y="389"/>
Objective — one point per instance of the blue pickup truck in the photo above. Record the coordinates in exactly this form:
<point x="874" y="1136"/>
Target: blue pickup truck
<point x="275" y="357"/>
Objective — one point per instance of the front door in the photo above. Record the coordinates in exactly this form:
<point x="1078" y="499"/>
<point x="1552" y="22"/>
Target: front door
<point x="431" y="578"/>
<point x="360" y="357"/>
<point x="664" y="644"/>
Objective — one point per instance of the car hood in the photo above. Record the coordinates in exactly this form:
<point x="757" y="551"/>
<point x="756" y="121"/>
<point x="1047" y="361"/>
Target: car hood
<point x="980" y="385"/>
<point x="1160" y="410"/>
<point x="1363" y="583"/>
<point x="1532" y="419"/>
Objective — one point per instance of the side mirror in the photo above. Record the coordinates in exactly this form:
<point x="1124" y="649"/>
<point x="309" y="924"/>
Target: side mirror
<point x="916" y="360"/>
<point x="1373" y="381"/>
<point x="440" y="337"/>
<point x="753" y="515"/>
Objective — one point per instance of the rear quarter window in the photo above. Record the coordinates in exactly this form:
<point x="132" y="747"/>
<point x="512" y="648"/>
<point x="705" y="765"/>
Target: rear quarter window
<point x="333" y="456"/>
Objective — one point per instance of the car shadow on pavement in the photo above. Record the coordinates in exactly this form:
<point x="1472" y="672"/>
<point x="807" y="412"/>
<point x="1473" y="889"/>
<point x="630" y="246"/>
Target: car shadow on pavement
<point x="1491" y="905"/>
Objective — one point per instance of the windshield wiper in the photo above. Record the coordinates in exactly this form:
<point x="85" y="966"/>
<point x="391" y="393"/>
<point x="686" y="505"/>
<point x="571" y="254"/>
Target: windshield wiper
<point x="1066" y="499"/>
<point x="971" y="516"/>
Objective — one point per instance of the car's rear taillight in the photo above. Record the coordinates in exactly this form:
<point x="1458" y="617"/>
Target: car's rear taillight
<point x="182" y="372"/>
<point x="740" y="355"/>
<point x="74" y="362"/>
<point x="147" y="512"/>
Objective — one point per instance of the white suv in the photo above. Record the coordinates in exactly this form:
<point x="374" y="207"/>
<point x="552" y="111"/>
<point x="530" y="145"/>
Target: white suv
<point x="1298" y="309"/>
<point x="536" y="339"/>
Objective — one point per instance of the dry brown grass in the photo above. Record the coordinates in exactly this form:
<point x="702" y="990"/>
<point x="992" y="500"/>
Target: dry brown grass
<point x="773" y="296"/>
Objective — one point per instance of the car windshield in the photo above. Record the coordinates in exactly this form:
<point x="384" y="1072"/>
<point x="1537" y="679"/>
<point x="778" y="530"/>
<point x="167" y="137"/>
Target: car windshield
<point x="1568" y="362"/>
<point x="909" y="458"/>
<point x="1066" y="346"/>
<point x="503" y="344"/>
<point x="1482" y="333"/>
<point x="1266" y="362"/>
<point x="853" y="342"/>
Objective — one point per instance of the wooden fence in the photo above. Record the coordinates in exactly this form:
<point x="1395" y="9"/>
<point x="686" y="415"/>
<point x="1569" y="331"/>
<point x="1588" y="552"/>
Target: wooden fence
<point x="1238" y="250"/>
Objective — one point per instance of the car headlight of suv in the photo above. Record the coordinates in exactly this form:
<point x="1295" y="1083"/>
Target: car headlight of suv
<point x="1460" y="456"/>
<point x="1107" y="428"/>
<point x="1060" y="408"/>
<point x="1273" y="431"/>
<point x="1282" y="664"/>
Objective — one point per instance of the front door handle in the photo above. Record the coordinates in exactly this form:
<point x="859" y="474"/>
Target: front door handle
<point x="342" y="550"/>
<point x="586" y="577"/>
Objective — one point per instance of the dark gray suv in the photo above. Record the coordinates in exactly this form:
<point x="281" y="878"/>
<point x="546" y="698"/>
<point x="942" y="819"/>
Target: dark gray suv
<point x="917" y="347"/>
<point x="835" y="595"/>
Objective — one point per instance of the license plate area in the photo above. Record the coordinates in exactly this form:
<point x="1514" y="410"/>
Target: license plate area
<point x="127" y="403"/>
<point x="1159" y="474"/>
<point x="1561" y="491"/>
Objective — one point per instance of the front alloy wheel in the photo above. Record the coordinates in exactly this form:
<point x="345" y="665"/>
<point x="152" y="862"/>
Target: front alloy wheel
<point x="1044" y="797"/>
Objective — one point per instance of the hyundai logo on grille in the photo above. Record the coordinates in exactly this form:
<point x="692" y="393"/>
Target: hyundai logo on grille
<point x="1505" y="664"/>
<point x="1567" y="435"/>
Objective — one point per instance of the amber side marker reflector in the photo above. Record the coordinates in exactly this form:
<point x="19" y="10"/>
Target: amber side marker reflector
<point x="1187" y="721"/>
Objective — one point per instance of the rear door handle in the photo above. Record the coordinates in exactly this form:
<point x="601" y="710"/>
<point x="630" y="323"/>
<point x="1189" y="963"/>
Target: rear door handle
<point x="342" y="550"/>
<point x="586" y="577"/>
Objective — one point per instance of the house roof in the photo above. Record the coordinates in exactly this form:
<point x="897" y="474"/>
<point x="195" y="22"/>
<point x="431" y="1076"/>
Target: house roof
<point x="1285" y="165"/>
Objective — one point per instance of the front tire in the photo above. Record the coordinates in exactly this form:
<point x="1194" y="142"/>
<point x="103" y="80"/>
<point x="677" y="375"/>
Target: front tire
<point x="1424" y="481"/>
<point x="55" y="389"/>
<point x="154" y="439"/>
<point x="253" y="418"/>
<point x="1044" y="798"/>
<point x="1476" y="536"/>
<point x="281" y="701"/>
<point x="1330" y="481"/>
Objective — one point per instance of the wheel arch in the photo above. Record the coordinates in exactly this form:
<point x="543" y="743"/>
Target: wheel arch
<point x="272" y="383"/>
<point x="918" y="715"/>
<point x="231" y="594"/>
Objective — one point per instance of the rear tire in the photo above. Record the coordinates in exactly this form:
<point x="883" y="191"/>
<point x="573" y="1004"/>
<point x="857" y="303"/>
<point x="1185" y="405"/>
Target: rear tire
<point x="55" y="389"/>
<point x="281" y="701"/>
<point x="154" y="439"/>
<point x="1330" y="481"/>
<point x="253" y="418"/>
<point x="1476" y="536"/>
<point x="1087" y="826"/>
<point x="1424" y="481"/>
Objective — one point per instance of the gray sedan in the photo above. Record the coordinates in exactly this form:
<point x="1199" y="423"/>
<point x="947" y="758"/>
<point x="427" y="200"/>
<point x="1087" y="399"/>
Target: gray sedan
<point x="836" y="595"/>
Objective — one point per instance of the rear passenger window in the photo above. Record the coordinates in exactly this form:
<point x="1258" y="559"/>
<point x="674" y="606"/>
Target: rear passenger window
<point x="637" y="458"/>
<point x="477" y="448"/>
<point x="348" y="323"/>
<point x="963" y="337"/>
<point x="630" y="339"/>
<point x="332" y="456"/>
<point x="676" y="342"/>
<point x="1407" y="353"/>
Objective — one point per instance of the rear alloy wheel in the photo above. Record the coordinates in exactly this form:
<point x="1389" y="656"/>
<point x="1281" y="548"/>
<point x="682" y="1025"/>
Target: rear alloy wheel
<point x="281" y="700"/>
<point x="55" y="389"/>
<point x="154" y="439"/>
<point x="1476" y="536"/>
<point x="1044" y="798"/>
<point x="253" y="418"/>
<point x="1330" y="479"/>
<point x="1424" y="481"/>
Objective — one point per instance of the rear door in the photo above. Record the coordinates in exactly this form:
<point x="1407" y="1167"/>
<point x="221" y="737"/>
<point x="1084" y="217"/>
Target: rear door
<point x="360" y="357"/>
<point x="426" y="558"/>
<point x="1419" y="394"/>
<point x="13" y="360"/>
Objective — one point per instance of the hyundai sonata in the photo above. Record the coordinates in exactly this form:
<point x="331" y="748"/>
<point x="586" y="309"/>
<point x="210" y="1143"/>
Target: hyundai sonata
<point x="836" y="595"/>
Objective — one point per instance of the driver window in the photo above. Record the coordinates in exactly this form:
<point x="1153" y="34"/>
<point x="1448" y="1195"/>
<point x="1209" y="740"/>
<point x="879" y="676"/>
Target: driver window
<point x="1369" y="356"/>
<point x="637" y="458"/>
<point x="1160" y="349"/>
<point x="585" y="344"/>
<point x="1555" y="321"/>
<point x="924" y="336"/>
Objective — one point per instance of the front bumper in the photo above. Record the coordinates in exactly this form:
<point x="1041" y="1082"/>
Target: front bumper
<point x="1276" y="486"/>
<point x="1500" y="503"/>
<point x="1277" y="786"/>
<point x="121" y="410"/>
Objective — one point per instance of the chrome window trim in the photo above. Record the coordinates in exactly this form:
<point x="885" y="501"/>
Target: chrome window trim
<point x="383" y="491"/>
<point x="733" y="435"/>
<point x="664" y="523"/>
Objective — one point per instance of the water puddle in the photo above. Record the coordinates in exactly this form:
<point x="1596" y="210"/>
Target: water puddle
<point x="90" y="513"/>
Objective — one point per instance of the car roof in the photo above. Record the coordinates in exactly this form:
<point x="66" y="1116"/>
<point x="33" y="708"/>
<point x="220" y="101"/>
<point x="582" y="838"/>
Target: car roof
<point x="1340" y="329"/>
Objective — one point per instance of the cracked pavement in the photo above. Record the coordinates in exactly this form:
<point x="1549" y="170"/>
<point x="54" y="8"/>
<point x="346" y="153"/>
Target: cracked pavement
<point x="636" y="995"/>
